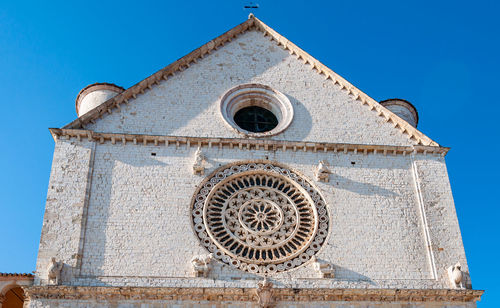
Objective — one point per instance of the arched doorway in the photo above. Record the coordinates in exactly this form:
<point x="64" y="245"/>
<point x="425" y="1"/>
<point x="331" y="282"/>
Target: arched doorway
<point x="14" y="298"/>
<point x="11" y="292"/>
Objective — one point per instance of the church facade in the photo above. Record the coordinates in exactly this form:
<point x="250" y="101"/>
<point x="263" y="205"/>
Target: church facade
<point x="247" y="174"/>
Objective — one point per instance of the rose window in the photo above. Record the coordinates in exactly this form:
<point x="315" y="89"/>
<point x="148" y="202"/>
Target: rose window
<point x="261" y="218"/>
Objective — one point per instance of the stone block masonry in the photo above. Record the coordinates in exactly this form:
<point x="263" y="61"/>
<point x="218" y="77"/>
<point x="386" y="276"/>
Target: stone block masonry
<point x="157" y="199"/>
<point x="138" y="230"/>
<point x="65" y="210"/>
<point x="187" y="104"/>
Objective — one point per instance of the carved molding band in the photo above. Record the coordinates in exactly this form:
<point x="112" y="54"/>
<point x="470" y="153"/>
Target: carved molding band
<point x="245" y="143"/>
<point x="260" y="217"/>
<point x="248" y="294"/>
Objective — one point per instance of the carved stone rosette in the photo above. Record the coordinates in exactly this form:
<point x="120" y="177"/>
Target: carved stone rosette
<point x="260" y="217"/>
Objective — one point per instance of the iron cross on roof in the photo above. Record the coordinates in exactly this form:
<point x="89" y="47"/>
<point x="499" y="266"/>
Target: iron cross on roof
<point x="251" y="5"/>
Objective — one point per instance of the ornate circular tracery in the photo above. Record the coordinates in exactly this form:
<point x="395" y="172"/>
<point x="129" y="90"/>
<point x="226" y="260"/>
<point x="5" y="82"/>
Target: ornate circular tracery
<point x="261" y="218"/>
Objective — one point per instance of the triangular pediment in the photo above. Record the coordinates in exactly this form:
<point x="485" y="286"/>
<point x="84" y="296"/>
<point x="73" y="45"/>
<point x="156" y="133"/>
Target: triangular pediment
<point x="182" y="98"/>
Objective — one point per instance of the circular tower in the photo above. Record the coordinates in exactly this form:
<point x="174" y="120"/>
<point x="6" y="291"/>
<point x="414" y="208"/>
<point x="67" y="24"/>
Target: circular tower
<point x="403" y="109"/>
<point x="95" y="94"/>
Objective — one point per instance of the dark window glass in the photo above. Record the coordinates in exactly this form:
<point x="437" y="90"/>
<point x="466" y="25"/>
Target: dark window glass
<point x="255" y="119"/>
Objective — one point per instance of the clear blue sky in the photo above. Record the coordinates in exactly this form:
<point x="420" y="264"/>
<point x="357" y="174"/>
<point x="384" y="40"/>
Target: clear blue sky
<point x="443" y="56"/>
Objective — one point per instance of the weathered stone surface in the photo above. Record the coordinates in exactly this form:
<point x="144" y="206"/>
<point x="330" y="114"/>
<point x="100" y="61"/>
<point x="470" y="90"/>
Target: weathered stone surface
<point x="228" y="297"/>
<point x="65" y="210"/>
<point x="138" y="226"/>
<point x="187" y="104"/>
<point x="119" y="211"/>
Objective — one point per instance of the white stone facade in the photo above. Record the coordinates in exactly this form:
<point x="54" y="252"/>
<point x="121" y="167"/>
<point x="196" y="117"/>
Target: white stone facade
<point x="187" y="104"/>
<point x="118" y="214"/>
<point x="138" y="203"/>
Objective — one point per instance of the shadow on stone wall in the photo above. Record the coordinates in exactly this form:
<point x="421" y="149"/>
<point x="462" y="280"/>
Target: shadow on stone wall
<point x="340" y="182"/>
<point x="302" y="121"/>
<point x="343" y="273"/>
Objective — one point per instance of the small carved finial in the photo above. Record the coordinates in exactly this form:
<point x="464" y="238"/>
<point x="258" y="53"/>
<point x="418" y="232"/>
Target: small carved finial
<point x="265" y="293"/>
<point x="250" y="16"/>
<point x="201" y="265"/>
<point x="54" y="272"/>
<point x="199" y="162"/>
<point x="456" y="276"/>
<point x="324" y="269"/>
<point x="322" y="172"/>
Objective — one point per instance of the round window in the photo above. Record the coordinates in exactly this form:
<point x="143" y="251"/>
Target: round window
<point x="256" y="110"/>
<point x="260" y="217"/>
<point x="255" y="119"/>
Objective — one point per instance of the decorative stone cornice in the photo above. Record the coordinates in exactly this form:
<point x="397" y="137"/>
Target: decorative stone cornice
<point x="249" y="294"/>
<point x="248" y="144"/>
<point x="252" y="23"/>
<point x="26" y="276"/>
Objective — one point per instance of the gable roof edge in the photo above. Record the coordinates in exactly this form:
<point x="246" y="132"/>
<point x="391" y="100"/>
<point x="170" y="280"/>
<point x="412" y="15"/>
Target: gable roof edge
<point x="389" y="116"/>
<point x="163" y="74"/>
<point x="252" y="22"/>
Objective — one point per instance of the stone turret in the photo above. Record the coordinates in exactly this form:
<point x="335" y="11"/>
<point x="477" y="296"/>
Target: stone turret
<point x="403" y="109"/>
<point x="95" y="94"/>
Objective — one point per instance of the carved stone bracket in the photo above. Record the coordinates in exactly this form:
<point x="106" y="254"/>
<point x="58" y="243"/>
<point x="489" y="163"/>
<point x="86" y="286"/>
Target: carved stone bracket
<point x="265" y="294"/>
<point x="458" y="279"/>
<point x="201" y="265"/>
<point x="54" y="272"/>
<point x="324" y="269"/>
<point x="322" y="172"/>
<point x="199" y="163"/>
